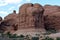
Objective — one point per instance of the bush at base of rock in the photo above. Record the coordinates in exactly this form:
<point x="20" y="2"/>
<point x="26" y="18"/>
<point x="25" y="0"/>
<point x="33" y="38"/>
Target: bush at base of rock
<point x="47" y="38"/>
<point x="35" y="38"/>
<point x="58" y="38"/>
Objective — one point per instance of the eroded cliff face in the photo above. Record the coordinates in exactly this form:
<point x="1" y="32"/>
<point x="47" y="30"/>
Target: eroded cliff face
<point x="10" y="22"/>
<point x="52" y="17"/>
<point x="31" y="17"/>
<point x="49" y="9"/>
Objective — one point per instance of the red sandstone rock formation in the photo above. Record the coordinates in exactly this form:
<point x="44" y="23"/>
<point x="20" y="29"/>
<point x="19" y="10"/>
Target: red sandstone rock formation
<point x="31" y="16"/>
<point x="52" y="17"/>
<point x="51" y="9"/>
<point x="10" y="22"/>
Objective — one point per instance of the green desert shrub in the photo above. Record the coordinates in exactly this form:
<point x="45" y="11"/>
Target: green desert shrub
<point x="58" y="38"/>
<point x="50" y="31"/>
<point x="21" y="36"/>
<point x="53" y="31"/>
<point x="47" y="38"/>
<point x="8" y="34"/>
<point x="35" y="38"/>
<point x="11" y="35"/>
<point x="14" y="36"/>
<point x="27" y="37"/>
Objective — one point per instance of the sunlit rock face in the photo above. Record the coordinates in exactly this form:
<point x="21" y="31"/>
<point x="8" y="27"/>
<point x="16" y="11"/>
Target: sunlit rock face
<point x="49" y="9"/>
<point x="10" y="22"/>
<point x="52" y="17"/>
<point x="31" y="16"/>
<point x="32" y="19"/>
<point x="29" y="20"/>
<point x="13" y="18"/>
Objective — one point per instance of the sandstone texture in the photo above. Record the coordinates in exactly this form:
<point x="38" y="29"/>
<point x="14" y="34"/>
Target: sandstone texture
<point x="32" y="18"/>
<point x="10" y="22"/>
<point x="52" y="17"/>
